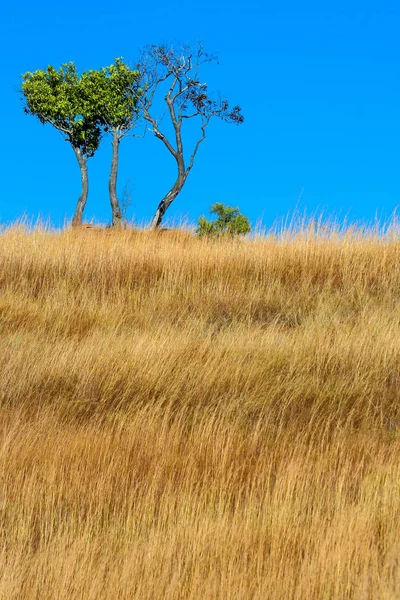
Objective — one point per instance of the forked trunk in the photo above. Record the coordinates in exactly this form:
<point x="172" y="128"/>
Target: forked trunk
<point x="112" y="182"/>
<point x="80" y="206"/>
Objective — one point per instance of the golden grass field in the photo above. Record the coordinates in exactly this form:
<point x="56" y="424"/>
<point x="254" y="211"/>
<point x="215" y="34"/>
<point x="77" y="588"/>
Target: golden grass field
<point x="187" y="419"/>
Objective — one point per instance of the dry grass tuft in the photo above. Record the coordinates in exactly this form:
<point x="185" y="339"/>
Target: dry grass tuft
<point x="188" y="419"/>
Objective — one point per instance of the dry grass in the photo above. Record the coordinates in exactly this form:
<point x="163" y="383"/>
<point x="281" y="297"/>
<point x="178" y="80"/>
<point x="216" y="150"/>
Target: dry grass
<point x="183" y="419"/>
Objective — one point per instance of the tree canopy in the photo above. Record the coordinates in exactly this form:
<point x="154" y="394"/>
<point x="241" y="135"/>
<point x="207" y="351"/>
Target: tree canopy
<point x="113" y="92"/>
<point x="61" y="98"/>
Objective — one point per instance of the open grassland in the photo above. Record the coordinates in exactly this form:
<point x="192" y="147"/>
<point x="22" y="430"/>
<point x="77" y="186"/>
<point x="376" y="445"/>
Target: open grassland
<point x="184" y="419"/>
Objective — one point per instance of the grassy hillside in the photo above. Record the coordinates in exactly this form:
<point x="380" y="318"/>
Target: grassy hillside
<point x="183" y="419"/>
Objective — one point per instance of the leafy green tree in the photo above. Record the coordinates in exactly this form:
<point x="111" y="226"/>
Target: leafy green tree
<point x="229" y="222"/>
<point x="59" y="97"/>
<point x="186" y="98"/>
<point x="113" y="92"/>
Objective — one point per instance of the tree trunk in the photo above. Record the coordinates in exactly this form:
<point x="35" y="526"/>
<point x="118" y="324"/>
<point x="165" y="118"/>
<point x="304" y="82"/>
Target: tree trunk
<point x="112" y="182"/>
<point x="80" y="206"/>
<point x="169" y="198"/>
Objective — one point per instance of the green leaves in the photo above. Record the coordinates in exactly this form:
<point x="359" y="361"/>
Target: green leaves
<point x="82" y="107"/>
<point x="58" y="97"/>
<point x="113" y="93"/>
<point x="229" y="222"/>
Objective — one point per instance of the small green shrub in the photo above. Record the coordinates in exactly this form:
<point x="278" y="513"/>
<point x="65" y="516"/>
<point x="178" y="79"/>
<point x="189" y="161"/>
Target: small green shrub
<point x="229" y="222"/>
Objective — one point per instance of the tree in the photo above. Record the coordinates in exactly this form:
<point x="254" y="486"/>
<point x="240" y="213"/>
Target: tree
<point x="186" y="98"/>
<point x="113" y="93"/>
<point x="229" y="222"/>
<point x="58" y="97"/>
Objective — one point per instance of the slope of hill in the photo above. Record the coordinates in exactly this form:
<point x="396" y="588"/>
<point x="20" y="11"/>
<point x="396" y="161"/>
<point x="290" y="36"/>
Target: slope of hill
<point x="186" y="419"/>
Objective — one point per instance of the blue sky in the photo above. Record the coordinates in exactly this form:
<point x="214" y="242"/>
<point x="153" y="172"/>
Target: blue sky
<point x="318" y="83"/>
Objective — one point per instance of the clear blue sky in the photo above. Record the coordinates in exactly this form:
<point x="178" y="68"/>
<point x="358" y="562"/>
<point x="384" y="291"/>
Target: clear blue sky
<point x="318" y="83"/>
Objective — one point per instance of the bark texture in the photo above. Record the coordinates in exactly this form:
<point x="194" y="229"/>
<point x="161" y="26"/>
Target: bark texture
<point x="112" y="182"/>
<point x="168" y="199"/>
<point x="178" y="155"/>
<point x="80" y="205"/>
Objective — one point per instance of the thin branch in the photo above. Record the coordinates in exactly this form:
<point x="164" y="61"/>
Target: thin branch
<point x="159" y="134"/>
<point x="203" y="137"/>
<point x="196" y="114"/>
<point x="55" y="125"/>
<point x="135" y="135"/>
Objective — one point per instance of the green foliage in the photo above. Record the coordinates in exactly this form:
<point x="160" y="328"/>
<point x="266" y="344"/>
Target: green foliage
<point x="59" y="97"/>
<point x="81" y="106"/>
<point x="113" y="93"/>
<point x="229" y="222"/>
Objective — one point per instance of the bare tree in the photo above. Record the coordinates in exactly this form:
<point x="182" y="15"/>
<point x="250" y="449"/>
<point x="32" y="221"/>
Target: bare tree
<point x="186" y="98"/>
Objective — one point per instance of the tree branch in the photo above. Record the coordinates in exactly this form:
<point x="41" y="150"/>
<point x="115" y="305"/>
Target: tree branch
<point x="54" y="124"/>
<point x="159" y="134"/>
<point x="176" y="122"/>
<point x="203" y="137"/>
<point x="186" y="98"/>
